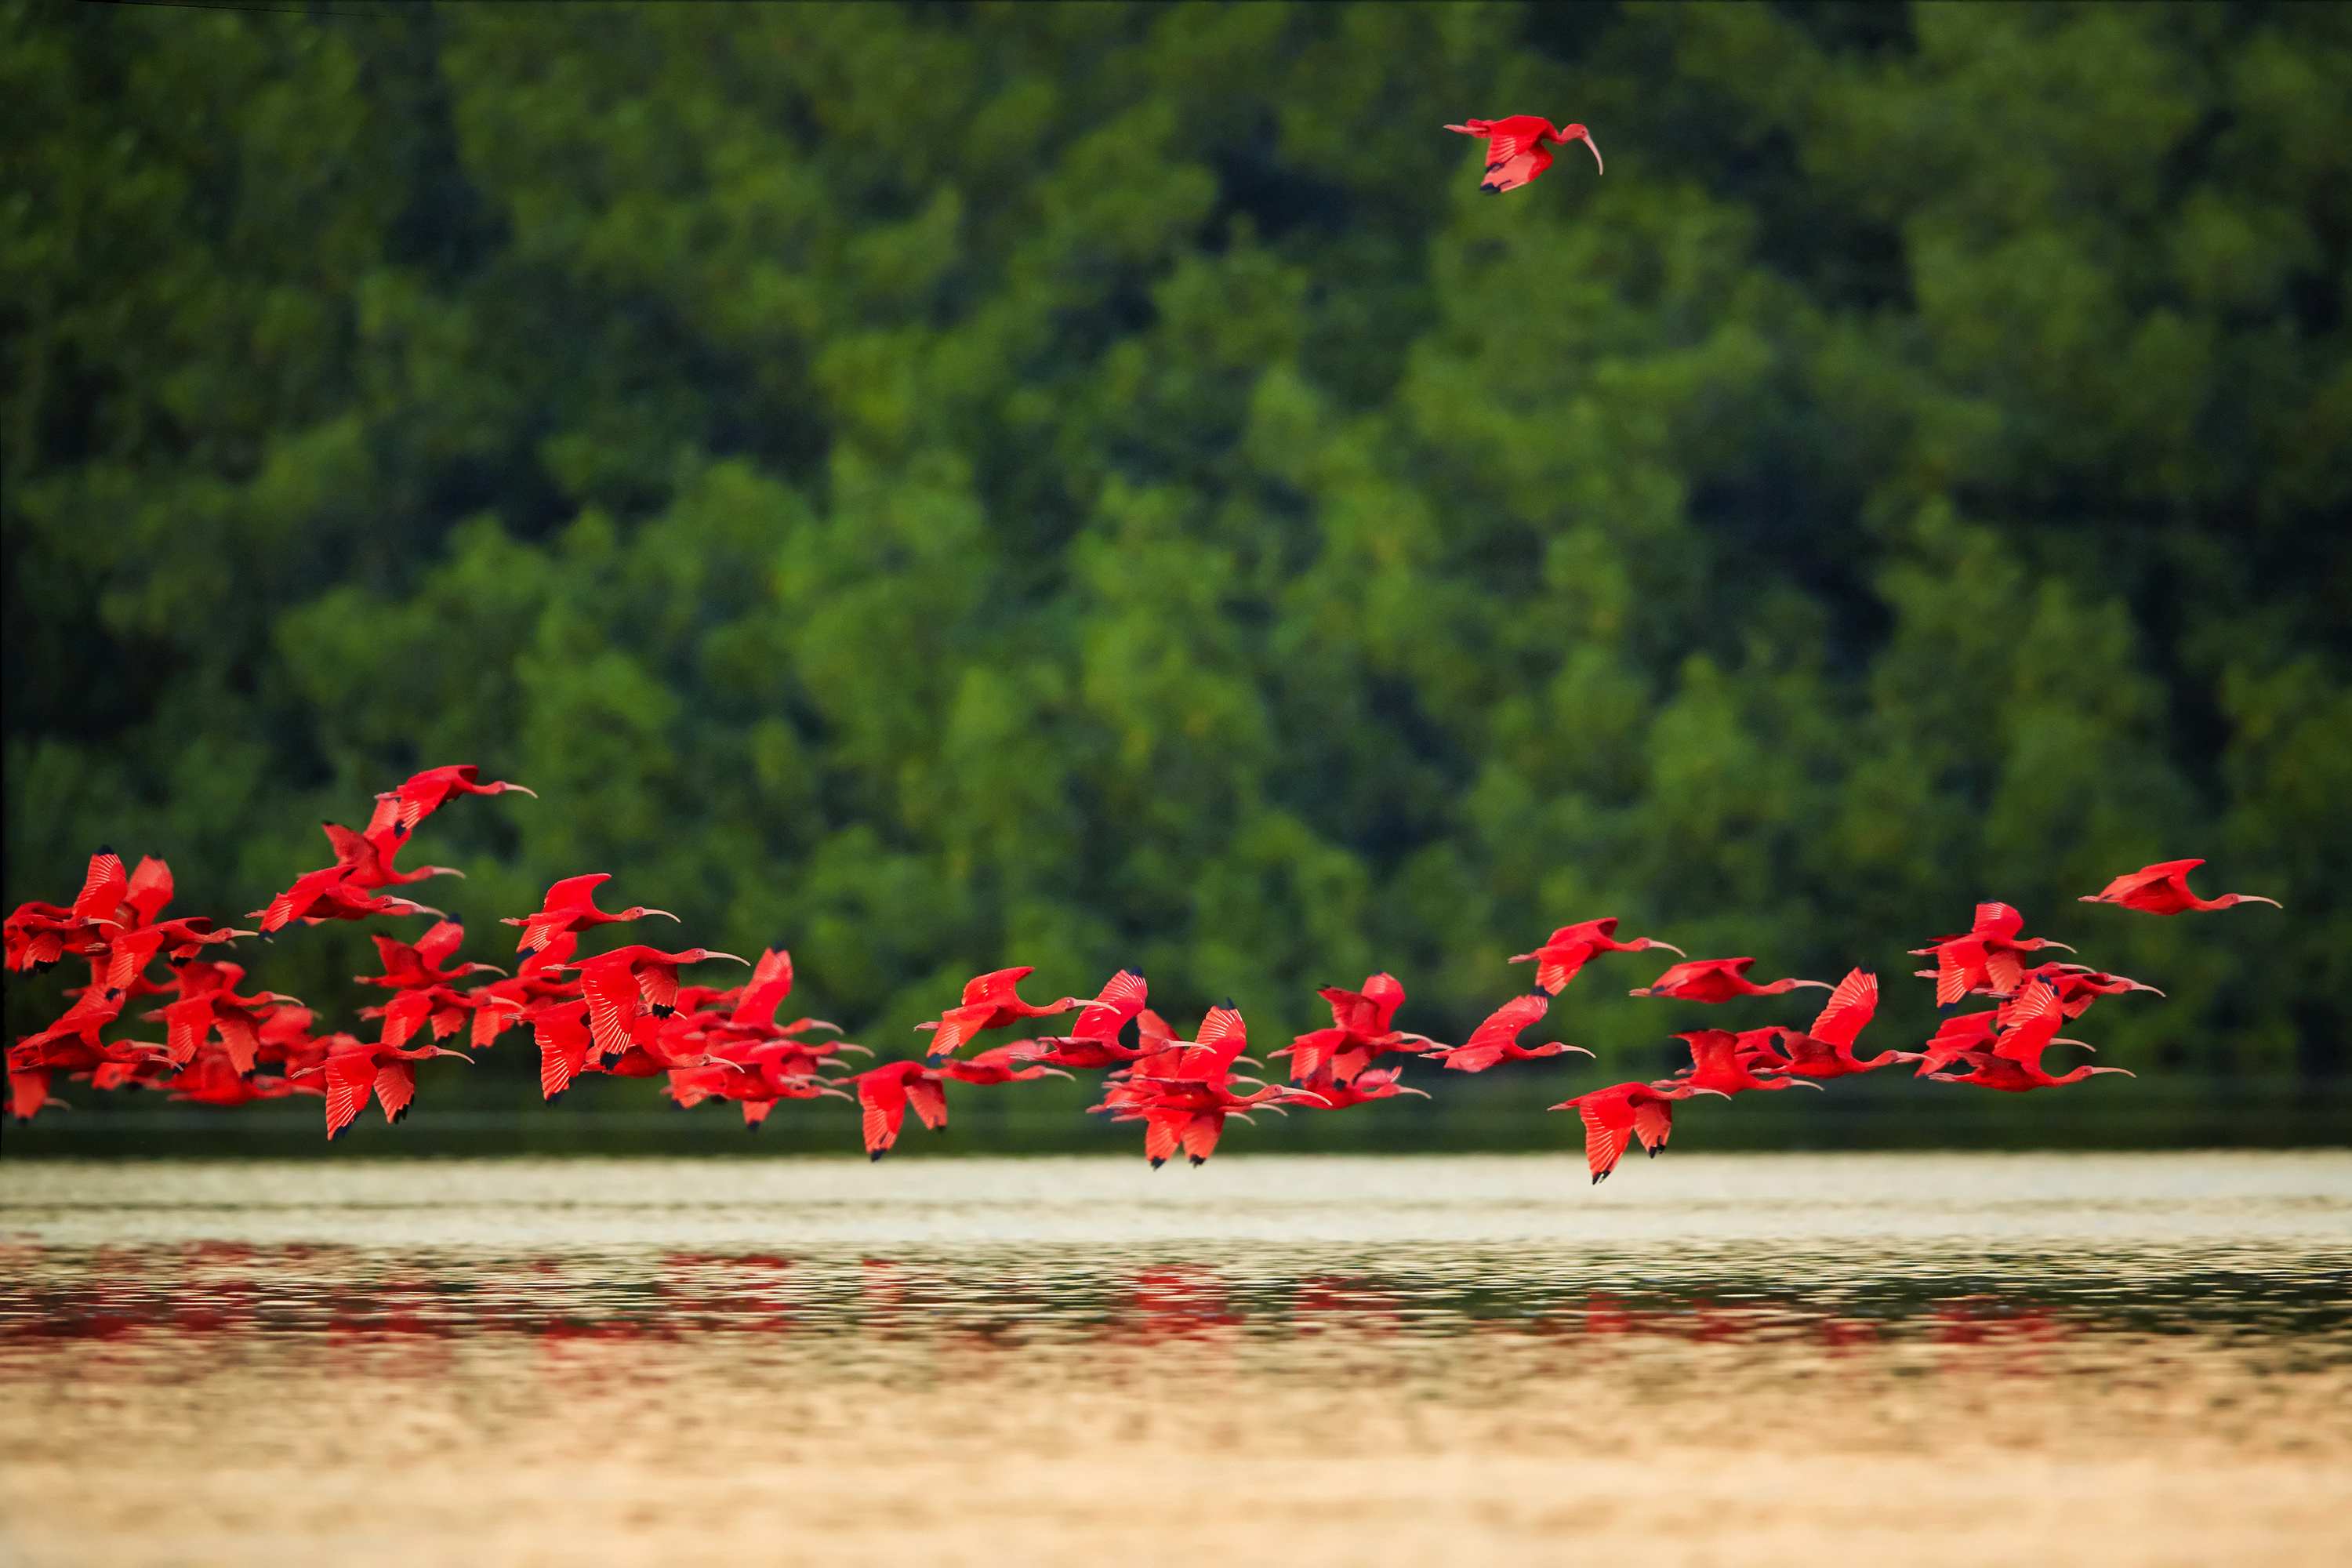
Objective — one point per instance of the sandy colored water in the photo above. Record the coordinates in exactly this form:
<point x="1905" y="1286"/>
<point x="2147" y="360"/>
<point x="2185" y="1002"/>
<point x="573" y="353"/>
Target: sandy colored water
<point x="1882" y="1358"/>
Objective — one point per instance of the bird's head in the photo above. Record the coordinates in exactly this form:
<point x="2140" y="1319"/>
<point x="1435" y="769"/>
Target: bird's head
<point x="1575" y="132"/>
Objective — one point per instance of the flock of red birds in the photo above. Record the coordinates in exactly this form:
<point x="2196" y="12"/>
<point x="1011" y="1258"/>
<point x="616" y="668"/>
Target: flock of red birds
<point x="625" y="1012"/>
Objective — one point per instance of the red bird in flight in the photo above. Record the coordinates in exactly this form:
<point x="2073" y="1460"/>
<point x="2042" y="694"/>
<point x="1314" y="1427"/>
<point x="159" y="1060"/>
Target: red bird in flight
<point x="1715" y="980"/>
<point x="884" y="1093"/>
<point x="1717" y="1065"/>
<point x="355" y="1069"/>
<point x="1826" y="1049"/>
<point x="1569" y="948"/>
<point x="2163" y="889"/>
<point x="571" y="905"/>
<point x="1616" y="1116"/>
<point x="424" y="794"/>
<point x="990" y="1002"/>
<point x="1518" y="148"/>
<point x="1987" y="956"/>
<point x="365" y="858"/>
<point x="1498" y="1039"/>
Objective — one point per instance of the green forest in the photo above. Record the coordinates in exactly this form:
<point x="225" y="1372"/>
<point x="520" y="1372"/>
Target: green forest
<point x="941" y="485"/>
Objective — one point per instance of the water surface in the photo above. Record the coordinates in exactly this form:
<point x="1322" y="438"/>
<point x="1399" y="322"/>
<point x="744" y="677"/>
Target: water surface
<point x="2122" y="1358"/>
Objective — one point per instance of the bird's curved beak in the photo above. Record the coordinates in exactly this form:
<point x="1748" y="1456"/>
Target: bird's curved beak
<point x="709" y="956"/>
<point x="1251" y="1060"/>
<point x="1424" y="1094"/>
<point x="1057" y="1072"/>
<point x="2059" y="945"/>
<point x="1670" y="947"/>
<point x="851" y="1046"/>
<point x="446" y="1051"/>
<point x="2061" y="1040"/>
<point x="1598" y="166"/>
<point x="830" y="1029"/>
<point x="1801" y="1083"/>
<point x="1816" y="985"/>
<point x="1580" y="1050"/>
<point x="1521" y="958"/>
<point x="2258" y="899"/>
<point x="446" y="871"/>
<point x="2139" y="986"/>
<point x="666" y="915"/>
<point x="1639" y="991"/>
<point x="1245" y="1116"/>
<point x="2091" y="899"/>
<point x="520" y="789"/>
<point x="1719" y="1094"/>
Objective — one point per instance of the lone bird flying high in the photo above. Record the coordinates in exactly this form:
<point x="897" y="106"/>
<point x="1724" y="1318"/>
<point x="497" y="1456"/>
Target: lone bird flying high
<point x="1516" y="150"/>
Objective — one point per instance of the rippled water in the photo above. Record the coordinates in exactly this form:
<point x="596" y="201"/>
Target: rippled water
<point x="1922" y="1357"/>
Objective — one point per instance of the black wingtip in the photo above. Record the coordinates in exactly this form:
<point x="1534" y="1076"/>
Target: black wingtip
<point x="875" y="1155"/>
<point x="106" y="848"/>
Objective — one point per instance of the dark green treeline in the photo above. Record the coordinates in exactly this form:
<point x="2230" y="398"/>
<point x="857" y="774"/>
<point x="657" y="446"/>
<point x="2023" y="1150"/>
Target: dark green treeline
<point x="951" y="485"/>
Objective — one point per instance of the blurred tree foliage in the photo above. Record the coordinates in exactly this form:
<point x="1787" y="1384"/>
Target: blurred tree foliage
<point x="951" y="485"/>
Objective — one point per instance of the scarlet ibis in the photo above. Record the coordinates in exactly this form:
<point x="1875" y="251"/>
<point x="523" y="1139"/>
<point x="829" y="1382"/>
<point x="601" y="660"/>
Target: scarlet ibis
<point x="1826" y="1048"/>
<point x="1988" y="955"/>
<point x="35" y="1059"/>
<point x="148" y="890"/>
<point x="178" y="941"/>
<point x="2163" y="889"/>
<point x="424" y="794"/>
<point x="2030" y="1026"/>
<point x="1569" y="948"/>
<point x="411" y="1009"/>
<point x="500" y="1005"/>
<point x="354" y="1069"/>
<point x="1216" y="1047"/>
<point x="421" y="963"/>
<point x="39" y="934"/>
<point x="1372" y="1083"/>
<point x="36" y="932"/>
<point x="102" y="887"/>
<point x="1122" y="998"/>
<point x="1498" y="1039"/>
<point x="571" y="905"/>
<point x="1190" y="1112"/>
<point x="1614" y="1117"/>
<point x="1069" y="1051"/>
<point x="2012" y="1076"/>
<point x="628" y="981"/>
<point x="1362" y="1030"/>
<point x="1518" y="150"/>
<point x="1717" y="1065"/>
<point x="1956" y="1037"/>
<point x="28" y="1092"/>
<point x="1715" y="980"/>
<point x="365" y="858"/>
<point x="328" y="895"/>
<point x="2077" y="986"/>
<point x="884" y="1093"/>
<point x="560" y="1030"/>
<point x="211" y="1079"/>
<point x="990" y="1002"/>
<point x="999" y="1065"/>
